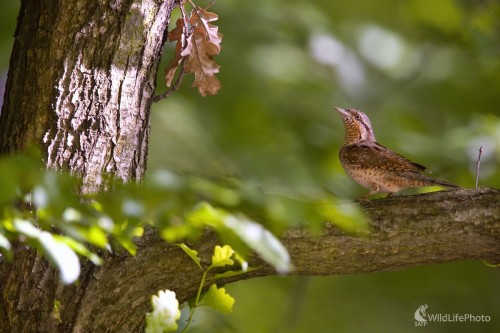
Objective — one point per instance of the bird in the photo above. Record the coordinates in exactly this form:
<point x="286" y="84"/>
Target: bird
<point x="374" y="166"/>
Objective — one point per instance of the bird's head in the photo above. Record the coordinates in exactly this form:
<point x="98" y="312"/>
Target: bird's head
<point x="357" y="126"/>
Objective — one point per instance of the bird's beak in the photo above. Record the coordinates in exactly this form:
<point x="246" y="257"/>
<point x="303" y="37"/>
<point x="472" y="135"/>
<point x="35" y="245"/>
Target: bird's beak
<point x="342" y="112"/>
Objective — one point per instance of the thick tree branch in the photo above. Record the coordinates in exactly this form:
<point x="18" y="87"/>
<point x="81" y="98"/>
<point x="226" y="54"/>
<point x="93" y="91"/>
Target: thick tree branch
<point x="406" y="231"/>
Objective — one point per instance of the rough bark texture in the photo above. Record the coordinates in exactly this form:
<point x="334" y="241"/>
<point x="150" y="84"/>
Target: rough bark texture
<point x="81" y="79"/>
<point x="407" y="231"/>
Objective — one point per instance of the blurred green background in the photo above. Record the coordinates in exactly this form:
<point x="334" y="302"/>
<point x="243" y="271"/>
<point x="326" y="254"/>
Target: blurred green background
<point x="427" y="73"/>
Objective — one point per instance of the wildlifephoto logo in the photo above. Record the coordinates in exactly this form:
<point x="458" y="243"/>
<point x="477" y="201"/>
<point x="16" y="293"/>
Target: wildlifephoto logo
<point x="422" y="318"/>
<point x="420" y="315"/>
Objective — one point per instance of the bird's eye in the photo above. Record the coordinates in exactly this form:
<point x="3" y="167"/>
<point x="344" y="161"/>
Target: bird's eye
<point x="357" y="116"/>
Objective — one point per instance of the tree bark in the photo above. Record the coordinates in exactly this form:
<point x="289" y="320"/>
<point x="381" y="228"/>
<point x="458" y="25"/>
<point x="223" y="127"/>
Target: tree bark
<point x="80" y="83"/>
<point x="406" y="231"/>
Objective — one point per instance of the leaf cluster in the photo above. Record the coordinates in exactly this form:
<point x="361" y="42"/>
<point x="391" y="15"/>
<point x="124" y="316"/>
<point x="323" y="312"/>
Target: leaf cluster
<point x="197" y="42"/>
<point x="215" y="297"/>
<point x="166" y="307"/>
<point x="44" y="210"/>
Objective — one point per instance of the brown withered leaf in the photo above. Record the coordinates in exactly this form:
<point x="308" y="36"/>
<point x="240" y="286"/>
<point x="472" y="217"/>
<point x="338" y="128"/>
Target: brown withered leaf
<point x="201" y="64"/>
<point x="197" y="49"/>
<point x="177" y="34"/>
<point x="201" y="46"/>
<point x="200" y="22"/>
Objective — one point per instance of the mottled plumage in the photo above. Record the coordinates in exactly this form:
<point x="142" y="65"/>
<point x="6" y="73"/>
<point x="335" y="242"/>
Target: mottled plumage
<point x="373" y="165"/>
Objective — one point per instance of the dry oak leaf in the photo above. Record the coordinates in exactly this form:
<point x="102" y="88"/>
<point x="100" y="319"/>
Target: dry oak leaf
<point x="201" y="46"/>
<point x="177" y="34"/>
<point x="200" y="23"/>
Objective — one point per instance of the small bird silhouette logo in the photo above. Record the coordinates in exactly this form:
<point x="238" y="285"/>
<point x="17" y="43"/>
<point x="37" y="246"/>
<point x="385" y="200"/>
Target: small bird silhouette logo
<point x="420" y="313"/>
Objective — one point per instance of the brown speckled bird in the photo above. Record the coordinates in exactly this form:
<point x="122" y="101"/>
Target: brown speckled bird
<point x="373" y="165"/>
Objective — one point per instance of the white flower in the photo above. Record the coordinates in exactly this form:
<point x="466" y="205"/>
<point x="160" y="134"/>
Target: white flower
<point x="165" y="313"/>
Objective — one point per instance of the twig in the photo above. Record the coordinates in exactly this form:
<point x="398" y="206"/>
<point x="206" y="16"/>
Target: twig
<point x="478" y="164"/>
<point x="185" y="35"/>
<point x="175" y="86"/>
<point x="210" y="4"/>
<point x="185" y="28"/>
<point x="195" y="10"/>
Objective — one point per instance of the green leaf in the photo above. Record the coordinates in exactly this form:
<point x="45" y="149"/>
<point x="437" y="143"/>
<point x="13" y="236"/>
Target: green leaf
<point x="243" y="263"/>
<point x="27" y="228"/>
<point x="192" y="254"/>
<point x="222" y="256"/>
<point x="8" y="184"/>
<point x="18" y="172"/>
<point x="128" y="245"/>
<point x="206" y="214"/>
<point x="261" y="241"/>
<point x="59" y="253"/>
<point x="165" y="179"/>
<point x="180" y="232"/>
<point x="62" y="256"/>
<point x="216" y="192"/>
<point x="96" y="236"/>
<point x="138" y="232"/>
<point x="231" y="273"/>
<point x="218" y="299"/>
<point x="4" y="242"/>
<point x="79" y="248"/>
<point x="126" y="234"/>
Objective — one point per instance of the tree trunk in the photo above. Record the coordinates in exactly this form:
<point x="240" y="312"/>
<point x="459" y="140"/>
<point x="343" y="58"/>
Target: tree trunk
<point x="407" y="231"/>
<point x="80" y="83"/>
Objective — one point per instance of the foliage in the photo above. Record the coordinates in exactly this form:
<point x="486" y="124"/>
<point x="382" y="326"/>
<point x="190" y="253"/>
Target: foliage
<point x="217" y="298"/>
<point x="166" y="308"/>
<point x="197" y="42"/>
<point x="43" y="209"/>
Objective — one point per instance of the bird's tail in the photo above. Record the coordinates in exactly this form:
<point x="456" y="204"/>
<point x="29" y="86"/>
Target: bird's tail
<point x="433" y="181"/>
<point x="423" y="180"/>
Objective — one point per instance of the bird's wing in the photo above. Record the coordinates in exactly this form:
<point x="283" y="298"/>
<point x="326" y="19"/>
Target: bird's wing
<point x="378" y="156"/>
